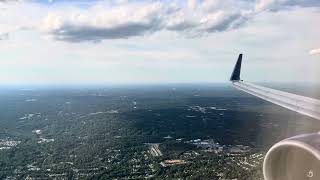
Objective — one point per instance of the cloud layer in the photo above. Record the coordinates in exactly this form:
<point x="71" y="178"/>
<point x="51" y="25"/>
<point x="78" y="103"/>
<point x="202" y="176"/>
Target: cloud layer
<point x="127" y="19"/>
<point x="120" y="19"/>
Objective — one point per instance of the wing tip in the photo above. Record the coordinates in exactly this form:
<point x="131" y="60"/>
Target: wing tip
<point x="235" y="76"/>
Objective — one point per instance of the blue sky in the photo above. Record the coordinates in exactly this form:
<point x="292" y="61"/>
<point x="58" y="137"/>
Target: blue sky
<point x="98" y="42"/>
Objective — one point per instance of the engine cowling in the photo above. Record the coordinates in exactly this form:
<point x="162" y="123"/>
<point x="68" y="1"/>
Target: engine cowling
<point x="295" y="158"/>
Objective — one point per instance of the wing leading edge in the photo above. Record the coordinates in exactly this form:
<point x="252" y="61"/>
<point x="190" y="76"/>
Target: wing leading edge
<point x="301" y="104"/>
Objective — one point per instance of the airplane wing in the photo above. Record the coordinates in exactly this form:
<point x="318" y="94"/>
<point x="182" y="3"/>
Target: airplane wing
<point x="301" y="104"/>
<point x="294" y="158"/>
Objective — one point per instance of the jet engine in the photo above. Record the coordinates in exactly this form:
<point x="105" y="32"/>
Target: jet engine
<point x="295" y="158"/>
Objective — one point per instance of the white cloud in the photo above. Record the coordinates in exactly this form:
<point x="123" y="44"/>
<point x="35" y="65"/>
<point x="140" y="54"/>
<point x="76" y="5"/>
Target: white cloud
<point x="4" y="36"/>
<point x="12" y="20"/>
<point x="99" y="23"/>
<point x="275" y="5"/>
<point x="124" y="20"/>
<point x="314" y="51"/>
<point x="128" y="19"/>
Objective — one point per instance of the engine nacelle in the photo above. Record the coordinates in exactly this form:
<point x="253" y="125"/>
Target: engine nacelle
<point x="295" y="158"/>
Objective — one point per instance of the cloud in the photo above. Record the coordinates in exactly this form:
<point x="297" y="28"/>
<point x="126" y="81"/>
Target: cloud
<point x="314" y="51"/>
<point x="11" y="20"/>
<point x="125" y="20"/>
<point x="122" y="19"/>
<point x="120" y="22"/>
<point x="4" y="36"/>
<point x="10" y="1"/>
<point x="275" y="5"/>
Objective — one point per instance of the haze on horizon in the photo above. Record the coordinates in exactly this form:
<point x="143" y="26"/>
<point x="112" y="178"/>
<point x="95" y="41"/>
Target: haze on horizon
<point x="158" y="41"/>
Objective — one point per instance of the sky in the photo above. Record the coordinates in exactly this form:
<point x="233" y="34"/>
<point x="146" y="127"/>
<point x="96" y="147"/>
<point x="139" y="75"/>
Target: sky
<point x="158" y="41"/>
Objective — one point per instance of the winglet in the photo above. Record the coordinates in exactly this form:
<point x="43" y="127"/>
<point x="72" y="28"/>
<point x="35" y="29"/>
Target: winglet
<point x="236" y="71"/>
